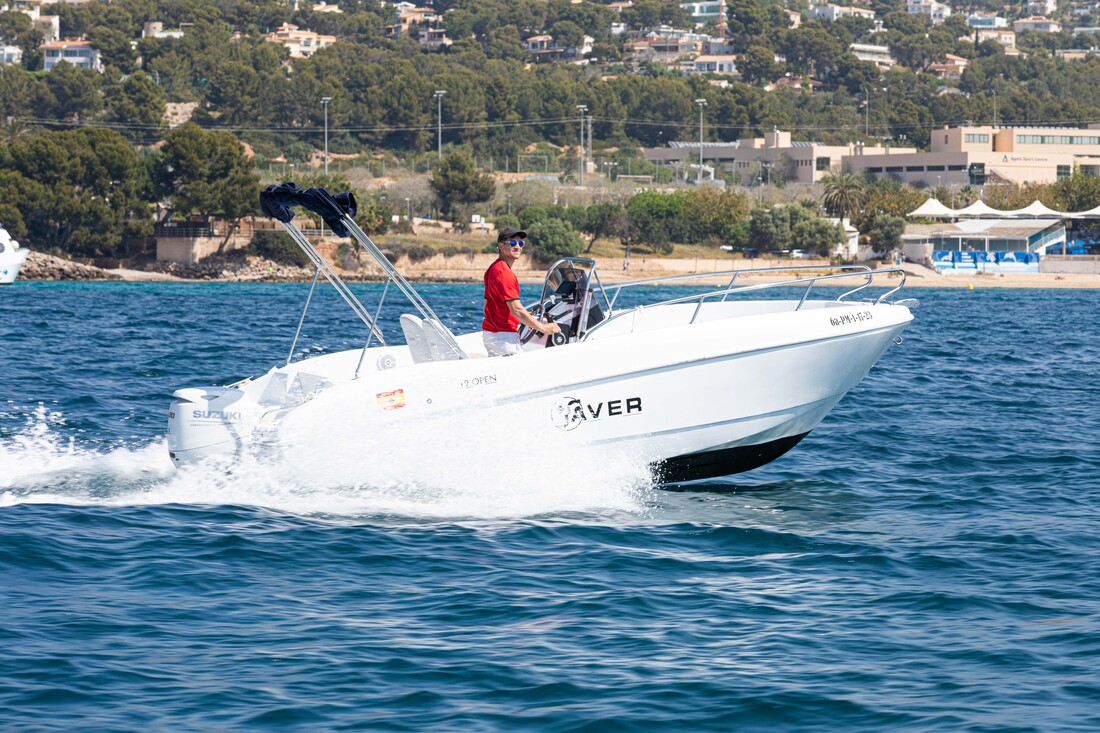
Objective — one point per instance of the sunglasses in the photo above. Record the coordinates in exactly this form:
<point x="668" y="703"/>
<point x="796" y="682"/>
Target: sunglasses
<point x="513" y="242"/>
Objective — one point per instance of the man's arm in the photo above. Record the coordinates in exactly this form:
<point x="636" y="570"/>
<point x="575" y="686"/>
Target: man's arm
<point x="528" y="320"/>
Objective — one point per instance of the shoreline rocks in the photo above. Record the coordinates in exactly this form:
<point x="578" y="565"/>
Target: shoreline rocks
<point x="238" y="267"/>
<point x="41" y="266"/>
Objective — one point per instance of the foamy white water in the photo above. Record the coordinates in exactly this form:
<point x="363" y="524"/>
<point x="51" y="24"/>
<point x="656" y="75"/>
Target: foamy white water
<point x="440" y="468"/>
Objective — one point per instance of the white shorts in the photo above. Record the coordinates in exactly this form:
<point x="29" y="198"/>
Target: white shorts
<point x="505" y="343"/>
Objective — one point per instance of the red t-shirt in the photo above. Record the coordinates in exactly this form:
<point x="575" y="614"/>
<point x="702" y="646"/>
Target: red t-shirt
<point x="501" y="285"/>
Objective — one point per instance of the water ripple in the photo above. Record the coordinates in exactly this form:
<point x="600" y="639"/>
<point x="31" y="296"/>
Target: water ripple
<point x="924" y="561"/>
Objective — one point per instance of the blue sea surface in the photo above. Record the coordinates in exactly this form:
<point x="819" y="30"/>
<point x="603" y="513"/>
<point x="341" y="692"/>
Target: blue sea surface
<point x="927" y="560"/>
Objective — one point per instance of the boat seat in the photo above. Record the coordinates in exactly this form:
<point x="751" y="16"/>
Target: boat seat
<point x="436" y="335"/>
<point x="414" y="337"/>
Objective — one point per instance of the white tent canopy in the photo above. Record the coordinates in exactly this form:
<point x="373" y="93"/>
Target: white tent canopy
<point x="979" y="208"/>
<point x="933" y="209"/>
<point x="1035" y="209"/>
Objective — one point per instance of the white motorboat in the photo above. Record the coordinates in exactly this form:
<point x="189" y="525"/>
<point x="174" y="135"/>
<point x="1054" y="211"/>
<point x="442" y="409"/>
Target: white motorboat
<point x="12" y="257"/>
<point x="711" y="383"/>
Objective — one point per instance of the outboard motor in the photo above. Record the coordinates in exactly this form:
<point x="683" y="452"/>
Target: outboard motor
<point x="209" y="421"/>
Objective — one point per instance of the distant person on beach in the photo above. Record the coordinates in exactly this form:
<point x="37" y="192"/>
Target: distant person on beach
<point x="503" y="311"/>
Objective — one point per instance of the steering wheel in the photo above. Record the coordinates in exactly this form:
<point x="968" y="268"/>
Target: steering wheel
<point x="555" y="339"/>
<point x="526" y="333"/>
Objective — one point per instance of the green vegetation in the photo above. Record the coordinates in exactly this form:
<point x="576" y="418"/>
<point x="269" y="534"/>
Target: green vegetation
<point x="794" y="227"/>
<point x="554" y="238"/>
<point x="277" y="246"/>
<point x="85" y="157"/>
<point x="458" y="184"/>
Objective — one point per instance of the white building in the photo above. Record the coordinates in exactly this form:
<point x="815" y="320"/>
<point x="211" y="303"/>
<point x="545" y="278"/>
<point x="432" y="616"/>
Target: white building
<point x="878" y="55"/>
<point x="724" y="65"/>
<point x="1040" y="7"/>
<point x="986" y="20"/>
<point x="49" y="26"/>
<point x="1039" y="24"/>
<point x="301" y="44"/>
<point x="755" y="160"/>
<point x="433" y="38"/>
<point x="77" y="53"/>
<point x="978" y="155"/>
<point x="1003" y="36"/>
<point x="938" y="12"/>
<point x="155" y="29"/>
<point x="706" y="11"/>
<point x="848" y="249"/>
<point x="1073" y="54"/>
<point x="10" y="55"/>
<point x="830" y="13"/>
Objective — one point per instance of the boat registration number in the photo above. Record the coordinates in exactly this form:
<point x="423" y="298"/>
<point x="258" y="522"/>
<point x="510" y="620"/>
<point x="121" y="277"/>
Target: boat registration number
<point x="850" y="318"/>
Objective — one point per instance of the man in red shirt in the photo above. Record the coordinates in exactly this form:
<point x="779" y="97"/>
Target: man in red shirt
<point x="503" y="311"/>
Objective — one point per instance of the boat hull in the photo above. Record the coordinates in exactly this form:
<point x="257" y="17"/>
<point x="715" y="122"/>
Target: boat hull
<point x="722" y="461"/>
<point x="10" y="263"/>
<point x="720" y="397"/>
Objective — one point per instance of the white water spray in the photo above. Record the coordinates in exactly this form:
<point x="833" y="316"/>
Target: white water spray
<point x="453" y="468"/>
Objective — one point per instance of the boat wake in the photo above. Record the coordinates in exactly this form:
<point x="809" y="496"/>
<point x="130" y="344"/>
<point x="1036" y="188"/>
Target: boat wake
<point x="438" y="470"/>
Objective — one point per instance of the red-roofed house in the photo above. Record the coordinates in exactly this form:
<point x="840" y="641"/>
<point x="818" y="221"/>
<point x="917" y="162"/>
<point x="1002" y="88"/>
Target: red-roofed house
<point x="77" y="53"/>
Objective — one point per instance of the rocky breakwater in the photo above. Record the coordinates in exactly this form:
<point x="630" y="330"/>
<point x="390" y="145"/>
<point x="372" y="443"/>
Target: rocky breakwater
<point x="40" y="266"/>
<point x="233" y="269"/>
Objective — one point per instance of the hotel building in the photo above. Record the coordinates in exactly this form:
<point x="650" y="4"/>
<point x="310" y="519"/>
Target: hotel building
<point x="984" y="154"/>
<point x="762" y="157"/>
<point x="973" y="155"/>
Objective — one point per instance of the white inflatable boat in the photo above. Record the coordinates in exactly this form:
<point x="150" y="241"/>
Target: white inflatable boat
<point x="12" y="257"/>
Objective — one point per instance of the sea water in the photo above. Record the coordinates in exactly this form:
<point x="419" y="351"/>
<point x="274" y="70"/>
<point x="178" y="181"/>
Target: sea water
<point x="927" y="559"/>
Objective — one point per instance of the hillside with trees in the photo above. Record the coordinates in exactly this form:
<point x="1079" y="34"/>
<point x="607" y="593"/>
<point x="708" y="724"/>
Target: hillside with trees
<point x="88" y="161"/>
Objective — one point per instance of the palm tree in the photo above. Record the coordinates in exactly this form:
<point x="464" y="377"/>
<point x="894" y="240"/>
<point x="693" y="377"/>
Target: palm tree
<point x="15" y="129"/>
<point x="845" y="194"/>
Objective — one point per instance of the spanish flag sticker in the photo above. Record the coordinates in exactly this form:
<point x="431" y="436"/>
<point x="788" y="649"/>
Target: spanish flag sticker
<point x="394" y="400"/>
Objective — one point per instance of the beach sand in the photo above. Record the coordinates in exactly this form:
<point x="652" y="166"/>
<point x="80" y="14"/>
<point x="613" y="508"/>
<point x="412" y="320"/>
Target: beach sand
<point x="470" y="268"/>
<point x="611" y="271"/>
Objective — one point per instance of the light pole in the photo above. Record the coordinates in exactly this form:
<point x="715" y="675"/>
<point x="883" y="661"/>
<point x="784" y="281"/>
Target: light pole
<point x="439" y="111"/>
<point x="866" y="111"/>
<point x="408" y="209"/>
<point x="582" y="108"/>
<point x="994" y="93"/>
<point x="768" y="168"/>
<point x="702" y="103"/>
<point x="324" y="103"/>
